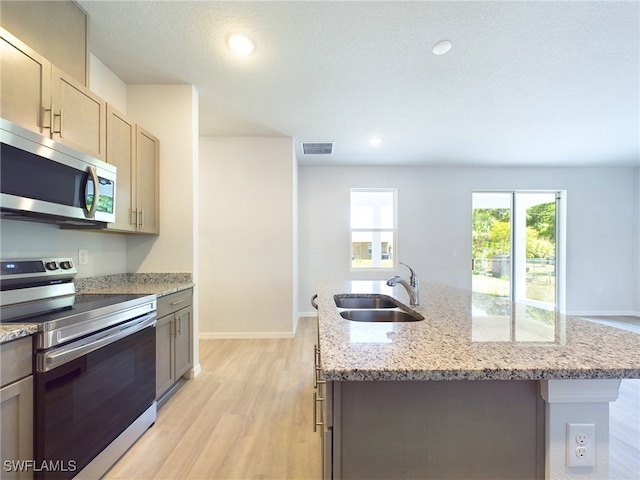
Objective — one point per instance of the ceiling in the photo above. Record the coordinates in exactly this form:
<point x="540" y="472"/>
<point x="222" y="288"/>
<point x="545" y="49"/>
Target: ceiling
<point x="526" y="83"/>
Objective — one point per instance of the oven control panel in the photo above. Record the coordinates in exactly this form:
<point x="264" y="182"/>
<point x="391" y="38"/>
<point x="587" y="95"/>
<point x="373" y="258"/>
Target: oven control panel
<point x="43" y="269"/>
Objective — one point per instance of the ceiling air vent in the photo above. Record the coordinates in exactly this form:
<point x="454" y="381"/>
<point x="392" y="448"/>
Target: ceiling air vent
<point x="317" y="148"/>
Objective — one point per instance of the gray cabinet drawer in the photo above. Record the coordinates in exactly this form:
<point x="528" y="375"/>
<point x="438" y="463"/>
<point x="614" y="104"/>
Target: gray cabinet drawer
<point x="174" y="302"/>
<point x="16" y="360"/>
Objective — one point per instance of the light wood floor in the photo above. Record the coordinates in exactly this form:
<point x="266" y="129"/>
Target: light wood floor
<point x="248" y="416"/>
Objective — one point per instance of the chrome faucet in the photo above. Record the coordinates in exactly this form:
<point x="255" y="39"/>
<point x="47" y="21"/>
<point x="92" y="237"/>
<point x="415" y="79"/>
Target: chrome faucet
<point x="412" y="286"/>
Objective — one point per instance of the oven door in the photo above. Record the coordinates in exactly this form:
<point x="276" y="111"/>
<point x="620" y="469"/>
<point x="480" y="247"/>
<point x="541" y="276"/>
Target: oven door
<point x="90" y="396"/>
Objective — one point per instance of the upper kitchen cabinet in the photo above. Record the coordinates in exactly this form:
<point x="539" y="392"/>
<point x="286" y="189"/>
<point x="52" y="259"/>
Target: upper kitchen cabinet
<point x="147" y="181"/>
<point x="41" y="97"/>
<point x="25" y="82"/>
<point x="121" y="152"/>
<point x="135" y="153"/>
<point x="58" y="30"/>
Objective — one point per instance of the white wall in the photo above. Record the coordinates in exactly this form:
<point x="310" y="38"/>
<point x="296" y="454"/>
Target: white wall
<point x="107" y="85"/>
<point x="170" y="113"/>
<point x="247" y="237"/>
<point x="434" y="226"/>
<point x="107" y="253"/>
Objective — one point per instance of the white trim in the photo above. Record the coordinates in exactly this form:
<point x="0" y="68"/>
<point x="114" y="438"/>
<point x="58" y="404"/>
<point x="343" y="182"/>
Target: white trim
<point x="580" y="391"/>
<point x="603" y="313"/>
<point x="195" y="371"/>
<point x="243" y="335"/>
<point x="306" y="314"/>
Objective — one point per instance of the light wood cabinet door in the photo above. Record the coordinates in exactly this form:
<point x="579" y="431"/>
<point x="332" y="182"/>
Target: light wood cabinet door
<point x="164" y="352"/>
<point x="183" y="341"/>
<point x="58" y="30"/>
<point x="16" y="432"/>
<point x="121" y="152"/>
<point x="79" y="115"/>
<point x="25" y="78"/>
<point x="39" y="96"/>
<point x="147" y="181"/>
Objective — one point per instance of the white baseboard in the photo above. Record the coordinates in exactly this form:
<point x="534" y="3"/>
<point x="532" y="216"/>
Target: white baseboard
<point x="242" y="335"/>
<point x="195" y="371"/>
<point x="603" y="313"/>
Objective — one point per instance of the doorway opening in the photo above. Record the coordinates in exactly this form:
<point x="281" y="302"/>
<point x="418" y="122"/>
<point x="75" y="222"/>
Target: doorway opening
<point x="517" y="240"/>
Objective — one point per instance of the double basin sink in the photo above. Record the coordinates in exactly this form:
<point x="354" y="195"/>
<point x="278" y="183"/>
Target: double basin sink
<point x="373" y="308"/>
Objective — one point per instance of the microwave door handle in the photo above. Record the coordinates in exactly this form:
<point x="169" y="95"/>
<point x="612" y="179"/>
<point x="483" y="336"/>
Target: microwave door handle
<point x="89" y="213"/>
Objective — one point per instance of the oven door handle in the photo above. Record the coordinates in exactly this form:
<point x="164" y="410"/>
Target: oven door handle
<point x="51" y="359"/>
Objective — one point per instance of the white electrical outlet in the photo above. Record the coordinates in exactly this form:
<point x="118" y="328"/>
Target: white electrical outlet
<point x="581" y="445"/>
<point x="83" y="257"/>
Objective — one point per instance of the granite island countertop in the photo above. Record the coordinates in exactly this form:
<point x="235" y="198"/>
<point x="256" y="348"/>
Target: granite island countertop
<point x="159" y="284"/>
<point x="467" y="336"/>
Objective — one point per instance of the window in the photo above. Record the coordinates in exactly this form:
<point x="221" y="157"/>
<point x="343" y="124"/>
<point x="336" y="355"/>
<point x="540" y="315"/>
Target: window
<point x="373" y="227"/>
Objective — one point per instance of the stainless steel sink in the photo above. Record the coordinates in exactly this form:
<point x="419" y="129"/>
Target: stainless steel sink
<point x="361" y="301"/>
<point x="380" y="316"/>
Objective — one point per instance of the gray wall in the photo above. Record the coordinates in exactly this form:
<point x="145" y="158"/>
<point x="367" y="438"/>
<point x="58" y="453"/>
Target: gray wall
<point x="434" y="226"/>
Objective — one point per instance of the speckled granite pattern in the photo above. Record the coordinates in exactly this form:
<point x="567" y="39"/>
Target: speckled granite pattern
<point x="468" y="336"/>
<point x="159" y="284"/>
<point x="12" y="331"/>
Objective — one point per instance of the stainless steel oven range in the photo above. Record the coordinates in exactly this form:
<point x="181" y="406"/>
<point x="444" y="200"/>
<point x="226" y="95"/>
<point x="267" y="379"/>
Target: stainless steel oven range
<point x="94" y="366"/>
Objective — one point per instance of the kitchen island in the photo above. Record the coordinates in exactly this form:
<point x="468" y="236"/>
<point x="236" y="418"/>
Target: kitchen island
<point x="481" y="388"/>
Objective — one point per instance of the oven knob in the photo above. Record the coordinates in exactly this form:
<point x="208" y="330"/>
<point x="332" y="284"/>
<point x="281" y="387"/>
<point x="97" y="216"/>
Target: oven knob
<point x="51" y="265"/>
<point x="66" y="265"/>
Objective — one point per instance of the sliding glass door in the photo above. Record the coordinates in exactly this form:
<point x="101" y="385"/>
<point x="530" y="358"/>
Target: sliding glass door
<point x="515" y="246"/>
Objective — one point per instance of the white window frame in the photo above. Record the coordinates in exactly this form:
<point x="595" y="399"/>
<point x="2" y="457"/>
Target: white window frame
<point x="376" y="231"/>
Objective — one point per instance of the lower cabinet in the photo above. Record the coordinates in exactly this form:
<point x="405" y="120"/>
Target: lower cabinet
<point x="417" y="429"/>
<point x="16" y="408"/>
<point x="174" y="339"/>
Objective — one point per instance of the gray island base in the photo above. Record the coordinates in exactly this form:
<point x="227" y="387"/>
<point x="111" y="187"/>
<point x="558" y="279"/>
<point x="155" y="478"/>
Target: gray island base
<point x="481" y="388"/>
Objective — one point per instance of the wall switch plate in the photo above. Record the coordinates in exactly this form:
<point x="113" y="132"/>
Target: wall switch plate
<point x="83" y="257"/>
<point x="581" y="445"/>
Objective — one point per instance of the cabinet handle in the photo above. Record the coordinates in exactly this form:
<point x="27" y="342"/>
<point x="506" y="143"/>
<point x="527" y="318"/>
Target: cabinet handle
<point x="316" y="367"/>
<point x="61" y="115"/>
<point x="140" y="218"/>
<point x="134" y="217"/>
<point x="177" y="302"/>
<point x="53" y="116"/>
<point x="316" y="399"/>
<point x="179" y="324"/>
<point x="50" y="127"/>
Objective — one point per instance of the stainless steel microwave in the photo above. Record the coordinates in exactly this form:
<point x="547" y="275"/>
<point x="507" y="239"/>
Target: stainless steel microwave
<point x="44" y="180"/>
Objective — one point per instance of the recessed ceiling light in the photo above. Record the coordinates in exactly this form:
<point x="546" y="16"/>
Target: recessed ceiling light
<point x="241" y="44"/>
<point x="375" y="141"/>
<point x="442" y="47"/>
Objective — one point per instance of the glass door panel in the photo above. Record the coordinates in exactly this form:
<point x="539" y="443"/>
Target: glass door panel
<point x="514" y="246"/>
<point x="535" y="253"/>
<point x="491" y="243"/>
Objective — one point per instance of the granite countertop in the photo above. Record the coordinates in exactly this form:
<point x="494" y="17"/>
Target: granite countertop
<point x="467" y="336"/>
<point x="160" y="284"/>
<point x="13" y="331"/>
